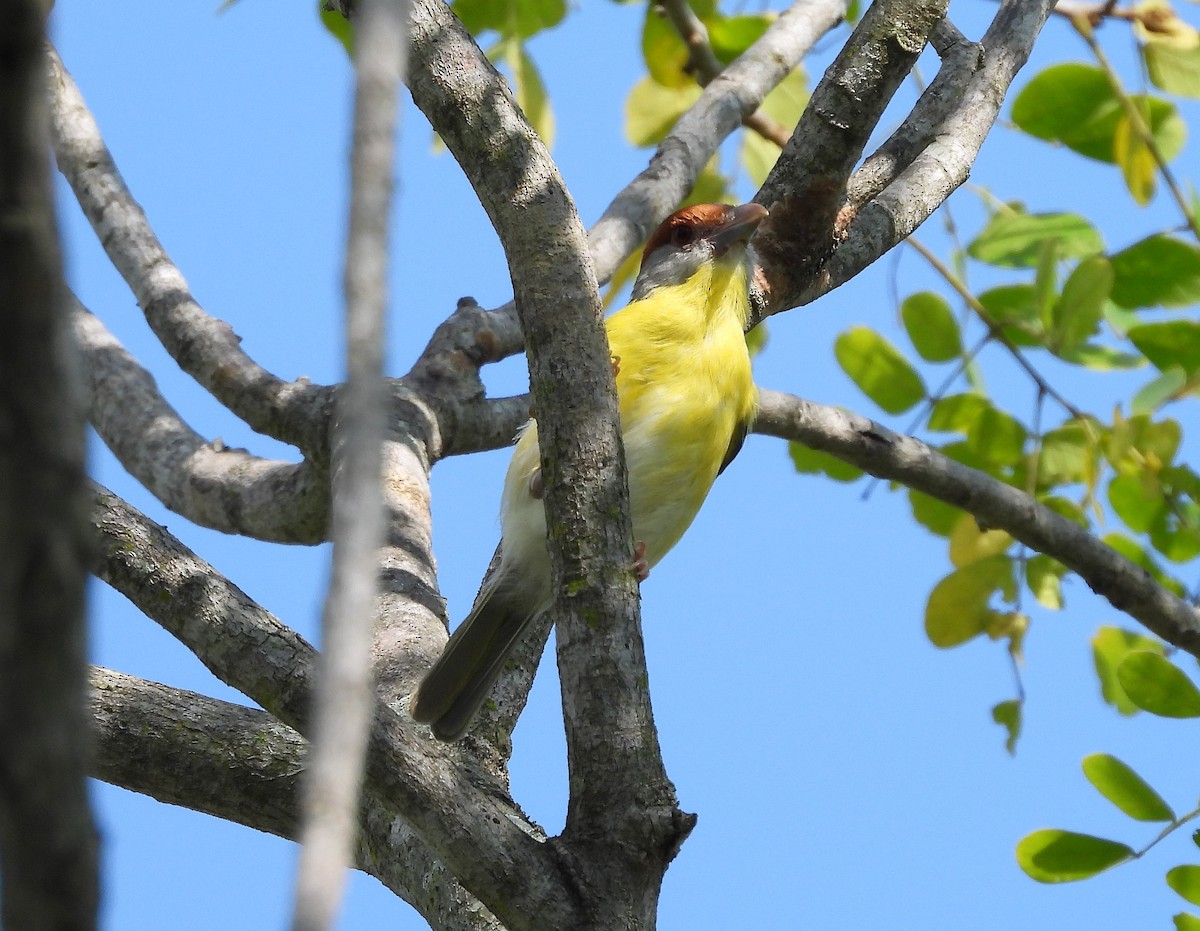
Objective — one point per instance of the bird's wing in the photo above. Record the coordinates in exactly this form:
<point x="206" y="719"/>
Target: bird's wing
<point x="735" y="444"/>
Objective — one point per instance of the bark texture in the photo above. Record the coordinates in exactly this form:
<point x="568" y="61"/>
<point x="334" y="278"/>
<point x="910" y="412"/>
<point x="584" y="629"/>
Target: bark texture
<point x="48" y="844"/>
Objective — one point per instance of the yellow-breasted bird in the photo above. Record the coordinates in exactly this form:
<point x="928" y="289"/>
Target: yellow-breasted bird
<point x="686" y="398"/>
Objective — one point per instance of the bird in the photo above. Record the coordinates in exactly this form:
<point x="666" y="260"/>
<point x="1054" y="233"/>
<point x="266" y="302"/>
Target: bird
<point x="687" y="398"/>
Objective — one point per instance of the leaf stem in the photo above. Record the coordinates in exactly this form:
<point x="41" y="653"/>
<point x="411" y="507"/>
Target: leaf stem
<point x="993" y="328"/>
<point x="1137" y="121"/>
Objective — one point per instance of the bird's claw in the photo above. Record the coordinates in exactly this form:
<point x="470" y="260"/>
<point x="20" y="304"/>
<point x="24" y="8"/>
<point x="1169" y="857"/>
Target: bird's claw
<point x="641" y="568"/>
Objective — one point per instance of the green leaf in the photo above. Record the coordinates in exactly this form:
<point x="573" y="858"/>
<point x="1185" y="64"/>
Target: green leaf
<point x="1015" y="309"/>
<point x="1157" y="392"/>
<point x="1157" y="271"/>
<point x="783" y="104"/>
<point x="1043" y="575"/>
<point x="1134" y="502"/>
<point x="1102" y="358"/>
<point x="531" y="94"/>
<point x="1134" y="158"/>
<point x="1065" y="508"/>
<point x="997" y="437"/>
<point x="936" y="516"/>
<point x="518" y="19"/>
<point x="1176" y="70"/>
<point x="1054" y="856"/>
<point x="1139" y="438"/>
<point x="1110" y="646"/>
<point x="814" y="462"/>
<point x="1076" y="314"/>
<point x="1015" y="240"/>
<point x="665" y="53"/>
<point x="958" y="609"/>
<point x="879" y="369"/>
<point x="1045" y="281"/>
<point x="1065" y="456"/>
<point x="1186" y="881"/>
<point x="970" y="543"/>
<point x="1185" y="922"/>
<point x="1170" y="343"/>
<point x="652" y="109"/>
<point x="931" y="326"/>
<point x="1157" y="685"/>
<point x="1175" y="532"/>
<point x="1008" y="715"/>
<point x="957" y="413"/>
<point x="756" y="340"/>
<point x="1118" y="783"/>
<point x="1074" y="104"/>
<point x="339" y="27"/>
<point x="730" y="36"/>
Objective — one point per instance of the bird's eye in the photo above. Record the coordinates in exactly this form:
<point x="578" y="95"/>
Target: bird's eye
<point x="683" y="235"/>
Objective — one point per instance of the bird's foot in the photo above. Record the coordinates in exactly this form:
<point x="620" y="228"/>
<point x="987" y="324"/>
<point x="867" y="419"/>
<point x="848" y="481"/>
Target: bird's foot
<point x="641" y="568"/>
<point x="616" y="366"/>
<point x="537" y="487"/>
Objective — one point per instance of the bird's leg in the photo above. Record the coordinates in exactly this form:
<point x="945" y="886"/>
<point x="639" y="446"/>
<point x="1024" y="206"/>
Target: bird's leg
<point x="641" y="568"/>
<point x="616" y="366"/>
<point x="537" y="486"/>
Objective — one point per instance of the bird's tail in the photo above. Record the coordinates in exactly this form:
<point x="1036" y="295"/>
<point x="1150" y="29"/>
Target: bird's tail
<point x="457" y="685"/>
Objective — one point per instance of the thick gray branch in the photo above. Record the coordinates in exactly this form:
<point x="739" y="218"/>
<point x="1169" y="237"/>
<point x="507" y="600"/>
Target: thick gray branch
<point x="241" y="764"/>
<point x="205" y="481"/>
<point x="205" y="347"/>
<point x="895" y="457"/>
<point x="960" y="60"/>
<point x="225" y="760"/>
<point x="48" y="849"/>
<point x="805" y="189"/>
<point x="448" y="802"/>
<point x="946" y="162"/>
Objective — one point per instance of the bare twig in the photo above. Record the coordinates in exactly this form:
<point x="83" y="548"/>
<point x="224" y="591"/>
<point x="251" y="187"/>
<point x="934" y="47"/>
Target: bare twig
<point x="994" y="329"/>
<point x="726" y="101"/>
<point x="960" y="60"/>
<point x="706" y="66"/>
<point x="1137" y="121"/>
<point x="477" y="835"/>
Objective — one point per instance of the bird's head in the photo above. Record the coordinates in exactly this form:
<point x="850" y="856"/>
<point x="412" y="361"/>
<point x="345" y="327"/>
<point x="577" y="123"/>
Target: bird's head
<point x="712" y="235"/>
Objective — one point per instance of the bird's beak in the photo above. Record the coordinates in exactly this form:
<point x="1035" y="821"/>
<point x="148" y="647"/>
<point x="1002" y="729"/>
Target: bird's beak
<point x="739" y="226"/>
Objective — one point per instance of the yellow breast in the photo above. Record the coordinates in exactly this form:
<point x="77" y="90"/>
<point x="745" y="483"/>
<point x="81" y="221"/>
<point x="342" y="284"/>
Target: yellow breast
<point x="684" y="387"/>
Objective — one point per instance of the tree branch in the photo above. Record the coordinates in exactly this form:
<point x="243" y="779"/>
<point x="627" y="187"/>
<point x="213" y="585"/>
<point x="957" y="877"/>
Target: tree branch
<point x="737" y="92"/>
<point x="960" y="60"/>
<point x="805" y="189"/>
<point x="235" y="763"/>
<point x="895" y="457"/>
<point x="242" y="765"/>
<point x="48" y="844"/>
<point x="705" y="65"/>
<point x="622" y="818"/>
<point x="945" y="163"/>
<point x="344" y="700"/>
<point x="205" y="347"/>
<point x="453" y="806"/>
<point x="204" y="480"/>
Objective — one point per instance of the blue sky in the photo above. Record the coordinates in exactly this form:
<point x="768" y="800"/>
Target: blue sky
<point x="846" y="773"/>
